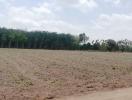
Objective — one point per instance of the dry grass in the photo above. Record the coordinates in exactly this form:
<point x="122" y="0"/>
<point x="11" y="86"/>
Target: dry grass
<point x="46" y="74"/>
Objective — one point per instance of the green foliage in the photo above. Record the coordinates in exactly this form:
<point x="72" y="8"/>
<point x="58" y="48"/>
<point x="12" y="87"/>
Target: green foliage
<point x="83" y="38"/>
<point x="96" y="45"/>
<point x="11" y="38"/>
<point x="111" y="45"/>
<point x="36" y="39"/>
<point x="103" y="45"/>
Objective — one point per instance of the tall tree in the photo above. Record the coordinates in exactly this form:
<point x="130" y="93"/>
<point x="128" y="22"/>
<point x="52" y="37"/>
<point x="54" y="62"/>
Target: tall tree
<point x="111" y="45"/>
<point x="83" y="38"/>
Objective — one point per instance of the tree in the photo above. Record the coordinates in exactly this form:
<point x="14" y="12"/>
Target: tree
<point x="96" y="45"/>
<point x="103" y="45"/>
<point x="87" y="46"/>
<point x="3" y="40"/>
<point x="125" y="45"/>
<point x="111" y="45"/>
<point x="11" y="37"/>
<point x="83" y="38"/>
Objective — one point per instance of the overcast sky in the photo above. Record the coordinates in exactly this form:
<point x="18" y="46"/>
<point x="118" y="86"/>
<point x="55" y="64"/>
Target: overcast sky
<point x="100" y="19"/>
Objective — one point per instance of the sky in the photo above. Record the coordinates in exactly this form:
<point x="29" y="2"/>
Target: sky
<point x="99" y="19"/>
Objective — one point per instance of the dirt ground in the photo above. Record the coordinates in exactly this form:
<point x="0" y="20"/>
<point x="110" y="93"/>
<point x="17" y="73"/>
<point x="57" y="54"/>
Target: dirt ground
<point x="46" y="74"/>
<point x="119" y="94"/>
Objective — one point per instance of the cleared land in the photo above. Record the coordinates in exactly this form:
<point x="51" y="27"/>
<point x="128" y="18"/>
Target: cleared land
<point x="47" y="74"/>
<point x="120" y="94"/>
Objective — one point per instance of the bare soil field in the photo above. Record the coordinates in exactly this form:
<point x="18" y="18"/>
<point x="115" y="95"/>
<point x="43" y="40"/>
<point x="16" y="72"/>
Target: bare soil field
<point x="46" y="74"/>
<point x="119" y="94"/>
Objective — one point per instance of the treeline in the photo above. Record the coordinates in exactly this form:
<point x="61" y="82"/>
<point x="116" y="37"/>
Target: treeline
<point x="12" y="38"/>
<point x="105" y="45"/>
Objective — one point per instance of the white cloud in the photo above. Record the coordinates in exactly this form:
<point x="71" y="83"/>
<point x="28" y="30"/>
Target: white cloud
<point x="81" y="5"/>
<point x="116" y="2"/>
<point x="44" y="8"/>
<point x="114" y="26"/>
<point x="4" y="4"/>
<point x="116" y="21"/>
<point x="86" y="5"/>
<point x="42" y="16"/>
<point x="39" y="17"/>
<point x="51" y="16"/>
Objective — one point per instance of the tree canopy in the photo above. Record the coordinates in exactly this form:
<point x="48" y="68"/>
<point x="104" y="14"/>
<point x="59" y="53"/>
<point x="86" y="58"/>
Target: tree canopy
<point x="13" y="38"/>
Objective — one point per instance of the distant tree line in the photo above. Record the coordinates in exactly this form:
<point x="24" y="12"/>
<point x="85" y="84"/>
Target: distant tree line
<point x="12" y="38"/>
<point x="105" y="45"/>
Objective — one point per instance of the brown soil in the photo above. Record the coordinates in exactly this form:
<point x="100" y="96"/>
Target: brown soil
<point x="119" y="94"/>
<point x="46" y="74"/>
